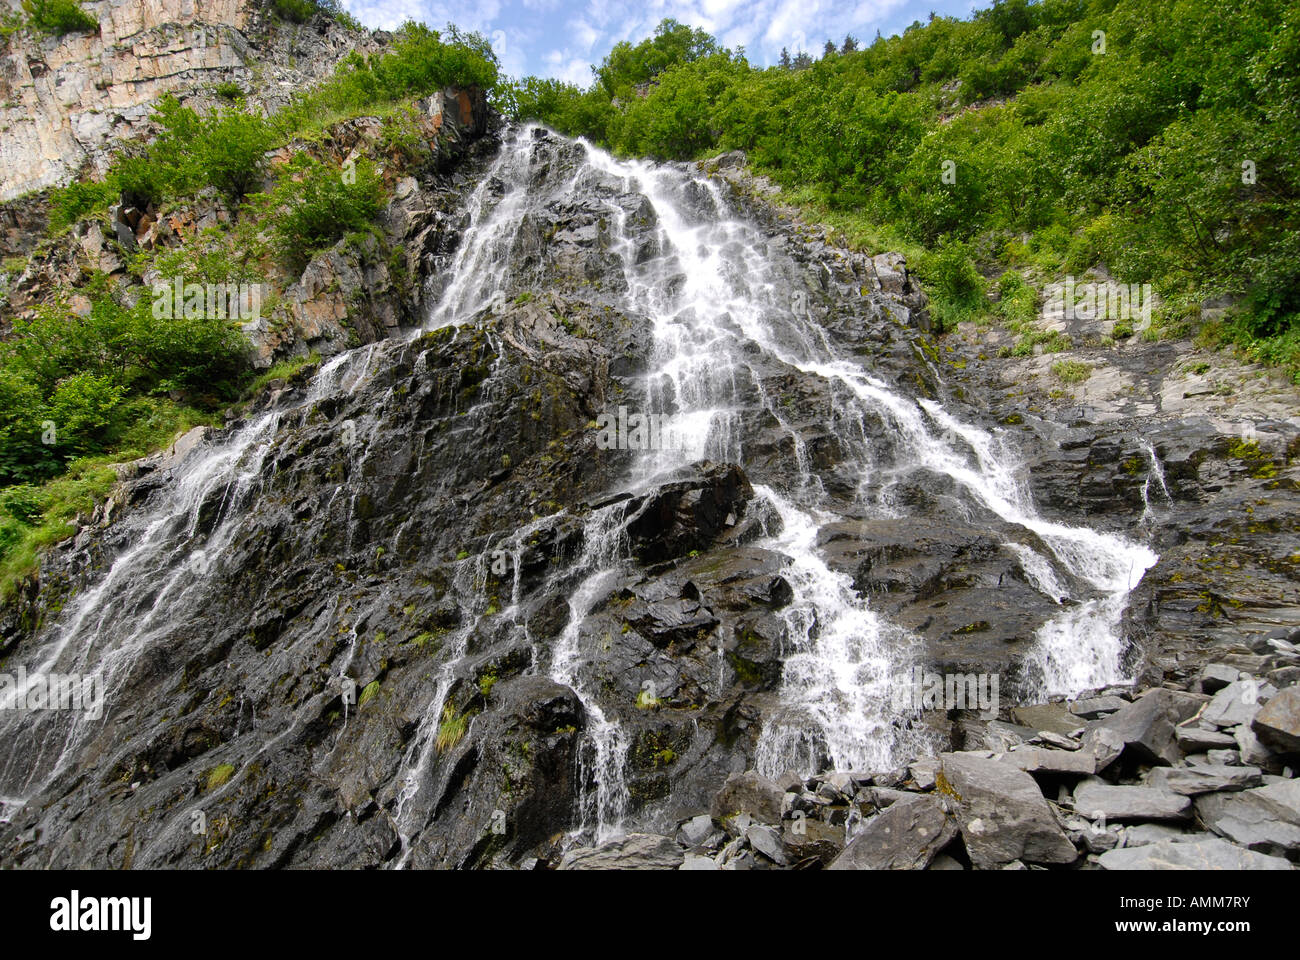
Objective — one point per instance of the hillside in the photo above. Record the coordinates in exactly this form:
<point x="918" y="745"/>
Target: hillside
<point x="882" y="461"/>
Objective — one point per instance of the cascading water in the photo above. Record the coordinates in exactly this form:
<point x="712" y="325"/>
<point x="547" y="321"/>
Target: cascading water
<point x="715" y="291"/>
<point x="725" y="305"/>
<point x="105" y="631"/>
<point x="1157" y="473"/>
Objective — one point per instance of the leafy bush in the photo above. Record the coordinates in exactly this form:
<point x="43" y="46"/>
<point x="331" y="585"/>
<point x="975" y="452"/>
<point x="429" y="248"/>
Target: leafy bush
<point x="320" y="205"/>
<point x="224" y="149"/>
<point x="72" y="386"/>
<point x="58" y="17"/>
<point x="295" y="11"/>
<point x="956" y="287"/>
<point x="419" y="62"/>
<point x="79" y="198"/>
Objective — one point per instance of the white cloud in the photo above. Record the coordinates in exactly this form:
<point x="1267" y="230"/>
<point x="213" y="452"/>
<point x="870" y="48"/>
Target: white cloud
<point x="562" y="38"/>
<point x="562" y="65"/>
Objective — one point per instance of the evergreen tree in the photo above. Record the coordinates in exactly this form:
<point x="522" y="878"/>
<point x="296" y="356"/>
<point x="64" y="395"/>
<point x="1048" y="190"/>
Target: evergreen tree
<point x="785" y="59"/>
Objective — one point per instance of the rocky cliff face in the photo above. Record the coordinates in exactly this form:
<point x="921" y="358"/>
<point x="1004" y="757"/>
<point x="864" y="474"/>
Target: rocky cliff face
<point x="450" y="598"/>
<point x="65" y="101"/>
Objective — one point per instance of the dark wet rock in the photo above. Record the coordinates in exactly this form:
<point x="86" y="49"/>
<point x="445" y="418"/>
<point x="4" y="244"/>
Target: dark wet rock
<point x="1002" y="813"/>
<point x="688" y="515"/>
<point x="906" y="836"/>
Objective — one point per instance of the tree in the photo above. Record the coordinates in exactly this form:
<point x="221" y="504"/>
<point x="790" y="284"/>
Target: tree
<point x="785" y="59"/>
<point x="829" y="50"/>
<point x="851" y="44"/>
<point x="628" y="66"/>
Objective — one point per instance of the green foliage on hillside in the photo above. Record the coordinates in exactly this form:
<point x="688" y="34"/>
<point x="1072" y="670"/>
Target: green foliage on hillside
<point x="317" y="205"/>
<point x="95" y="374"/>
<point x="300" y="11"/>
<point x="74" y="385"/>
<point x="419" y="61"/>
<point x="57" y="17"/>
<point x="1155" y="136"/>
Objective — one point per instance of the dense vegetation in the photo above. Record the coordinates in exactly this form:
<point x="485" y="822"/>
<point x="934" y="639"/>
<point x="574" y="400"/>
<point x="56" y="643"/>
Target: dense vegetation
<point x="93" y="376"/>
<point x="58" y="17"/>
<point x="1156" y="137"/>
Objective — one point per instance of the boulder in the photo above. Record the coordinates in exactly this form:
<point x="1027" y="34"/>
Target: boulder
<point x="1278" y="721"/>
<point x="698" y="831"/>
<point x="1208" y="854"/>
<point x="1140" y="834"/>
<point x="1236" y="703"/>
<point x="1266" y="819"/>
<point x="1052" y="717"/>
<point x="1094" y="707"/>
<point x="749" y="793"/>
<point x="636" y="851"/>
<point x="1096" y="799"/>
<point x="1207" y="778"/>
<point x="1198" y="739"/>
<point x="1145" y="727"/>
<point x="1042" y="760"/>
<point x="906" y="836"/>
<point x="767" y="841"/>
<point x="808" y="839"/>
<point x="1002" y="814"/>
<point x="1216" y="676"/>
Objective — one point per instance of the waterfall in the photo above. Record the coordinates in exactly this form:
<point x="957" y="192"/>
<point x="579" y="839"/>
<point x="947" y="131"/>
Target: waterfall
<point x="725" y="304"/>
<point x="716" y="291"/>
<point x="164" y="568"/>
<point x="1155" y="472"/>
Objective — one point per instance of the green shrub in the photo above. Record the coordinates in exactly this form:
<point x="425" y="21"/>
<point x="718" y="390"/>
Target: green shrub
<point x="79" y="198"/>
<point x="295" y="11"/>
<point x="319" y="205"/>
<point x="224" y="149"/>
<point x="418" y="62"/>
<point x="955" y="287"/>
<point x="58" y="17"/>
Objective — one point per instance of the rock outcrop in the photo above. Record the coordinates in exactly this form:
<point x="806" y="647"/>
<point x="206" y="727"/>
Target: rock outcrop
<point x="66" y="102"/>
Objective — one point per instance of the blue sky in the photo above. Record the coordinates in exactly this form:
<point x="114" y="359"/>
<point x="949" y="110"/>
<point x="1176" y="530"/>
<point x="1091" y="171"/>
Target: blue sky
<point x="563" y="38"/>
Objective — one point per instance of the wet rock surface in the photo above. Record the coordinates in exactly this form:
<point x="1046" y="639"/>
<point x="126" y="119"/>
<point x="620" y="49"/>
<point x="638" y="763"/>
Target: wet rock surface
<point x="363" y="650"/>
